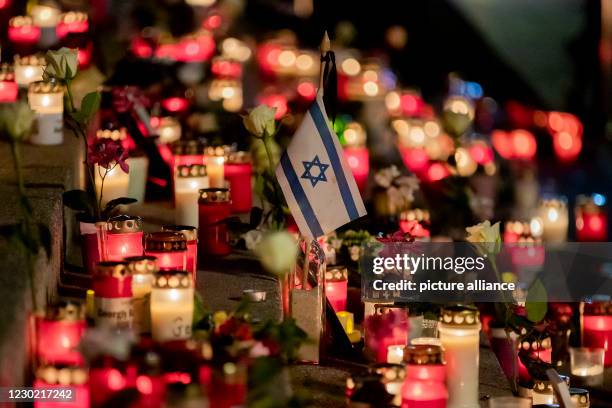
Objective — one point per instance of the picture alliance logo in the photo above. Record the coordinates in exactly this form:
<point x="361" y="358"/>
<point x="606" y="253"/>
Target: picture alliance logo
<point x="413" y="264"/>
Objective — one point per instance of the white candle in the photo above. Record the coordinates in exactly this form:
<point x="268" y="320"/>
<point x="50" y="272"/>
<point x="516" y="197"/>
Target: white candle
<point x="116" y="183"/>
<point x="169" y="130"/>
<point x="542" y="393"/>
<point x="47" y="100"/>
<point x="28" y="69"/>
<point x="555" y="220"/>
<point x="171" y="306"/>
<point x="188" y="181"/>
<point x="587" y="371"/>
<point x="142" y="269"/>
<point x="215" y="171"/>
<point x="395" y="354"/>
<point x="459" y="334"/>
<point x="45" y="16"/>
<point x="139" y="167"/>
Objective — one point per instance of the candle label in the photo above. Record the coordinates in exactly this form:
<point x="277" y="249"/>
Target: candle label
<point x="172" y="326"/>
<point x="48" y="129"/>
<point x="115" y="312"/>
<point x="142" y="314"/>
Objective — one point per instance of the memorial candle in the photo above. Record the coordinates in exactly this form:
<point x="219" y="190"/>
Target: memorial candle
<point x="72" y="22"/>
<point x="188" y="181"/>
<point x="171" y="306"/>
<point x="75" y="378"/>
<point x="170" y="249"/>
<point x="424" y="385"/>
<point x="112" y="285"/>
<point x="168" y="129"/>
<point x="215" y="169"/>
<point x="187" y="152"/>
<point x="597" y="328"/>
<point x="116" y="183"/>
<point x="587" y="364"/>
<point x="237" y="171"/>
<point x="543" y="392"/>
<point x="22" y="31"/>
<point x="356" y="153"/>
<point x="580" y="397"/>
<point x="47" y="100"/>
<point x="142" y="269"/>
<point x="591" y="219"/>
<point x="214" y="207"/>
<point x="554" y="216"/>
<point x="59" y="333"/>
<point x="46" y="18"/>
<point x="8" y="86"/>
<point x="28" y="69"/>
<point x="124" y="237"/>
<point x="336" y="287"/>
<point x="459" y="333"/>
<point x="191" y="235"/>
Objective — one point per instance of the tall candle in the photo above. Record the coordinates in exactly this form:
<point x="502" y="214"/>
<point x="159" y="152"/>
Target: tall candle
<point x="336" y="285"/>
<point x="112" y="285"/>
<point x="188" y="181"/>
<point x="49" y="376"/>
<point x="543" y="392"/>
<point x="191" y="235"/>
<point x="425" y="375"/>
<point x="170" y="249"/>
<point x="28" y="69"/>
<point x="591" y="218"/>
<point x="116" y="183"/>
<point x="215" y="168"/>
<point x="214" y="207"/>
<point x="137" y="184"/>
<point x="46" y="17"/>
<point x="142" y="269"/>
<point x="124" y="237"/>
<point x="171" y="306"/>
<point x="59" y="333"/>
<point x="237" y="171"/>
<point x="459" y="333"/>
<point x="47" y="100"/>
<point x="554" y="216"/>
<point x="168" y="129"/>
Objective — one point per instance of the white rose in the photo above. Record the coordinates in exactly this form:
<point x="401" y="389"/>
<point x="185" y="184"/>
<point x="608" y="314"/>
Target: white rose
<point x="16" y="119"/>
<point x="61" y="64"/>
<point x="260" y="121"/>
<point x="277" y="252"/>
<point x="485" y="233"/>
<point x="252" y="239"/>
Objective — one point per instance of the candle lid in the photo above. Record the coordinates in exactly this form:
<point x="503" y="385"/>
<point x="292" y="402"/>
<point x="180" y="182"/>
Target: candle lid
<point x="238" y="157"/>
<point x="65" y="311"/>
<point x="187" y="147"/>
<point x="423" y="354"/>
<point x="6" y="73"/>
<point x="191" y="170"/>
<point x="542" y="385"/>
<point x="141" y="264"/>
<point x="112" y="269"/>
<point x="535" y="343"/>
<point x="460" y="316"/>
<point x="598" y="309"/>
<point x="62" y="375"/>
<point x="165" y="241"/>
<point x="41" y="87"/>
<point x="336" y="273"/>
<point x="389" y="371"/>
<point x="172" y="280"/>
<point x="73" y="17"/>
<point x="113" y="134"/>
<point x="21" y="21"/>
<point x="580" y="397"/>
<point x="122" y="224"/>
<point x="190" y="233"/>
<point x="219" y="151"/>
<point x="416" y="214"/>
<point x="214" y="195"/>
<point x="30" y="60"/>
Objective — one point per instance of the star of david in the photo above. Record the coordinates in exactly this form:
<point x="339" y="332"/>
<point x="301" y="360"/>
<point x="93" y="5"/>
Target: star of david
<point x="314" y="178"/>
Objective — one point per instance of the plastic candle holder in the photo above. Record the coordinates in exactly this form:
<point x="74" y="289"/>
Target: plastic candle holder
<point x="170" y="249"/>
<point x="72" y="22"/>
<point x="21" y="30"/>
<point x="59" y="333"/>
<point x="112" y="284"/>
<point x="191" y="235"/>
<point x="123" y="237"/>
<point x="47" y="100"/>
<point x="591" y="219"/>
<point x="554" y="216"/>
<point x="424" y="386"/>
<point x="8" y="86"/>
<point x="215" y="159"/>
<point x="106" y="378"/>
<point x="214" y="208"/>
<point x="76" y="378"/>
<point x="459" y="333"/>
<point x="28" y="69"/>
<point x="171" y="306"/>
<point x="597" y="328"/>
<point x="237" y="171"/>
<point x="142" y="269"/>
<point x="336" y="287"/>
<point x="188" y="181"/>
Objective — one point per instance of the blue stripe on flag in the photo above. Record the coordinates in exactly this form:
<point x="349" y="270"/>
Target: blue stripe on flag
<point x="345" y="191"/>
<point x="300" y="196"/>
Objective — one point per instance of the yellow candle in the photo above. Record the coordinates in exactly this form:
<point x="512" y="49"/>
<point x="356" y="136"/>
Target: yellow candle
<point x="28" y="69"/>
<point x="171" y="306"/>
<point x="216" y="174"/>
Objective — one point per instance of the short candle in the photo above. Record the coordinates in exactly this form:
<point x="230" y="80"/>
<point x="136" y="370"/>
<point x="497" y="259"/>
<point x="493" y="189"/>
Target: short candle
<point x="112" y="284"/>
<point x="191" y="235"/>
<point x="142" y="269"/>
<point x="124" y="237"/>
<point x="171" y="306"/>
<point x="170" y="249"/>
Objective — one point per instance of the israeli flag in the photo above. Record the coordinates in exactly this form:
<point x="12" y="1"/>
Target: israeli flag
<point x="316" y="180"/>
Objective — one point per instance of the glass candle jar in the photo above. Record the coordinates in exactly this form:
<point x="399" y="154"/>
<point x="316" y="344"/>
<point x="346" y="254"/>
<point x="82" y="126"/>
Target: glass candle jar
<point x="336" y="287"/>
<point x="49" y="376"/>
<point x="8" y="86"/>
<point x="238" y="169"/>
<point x="188" y="181"/>
<point x="22" y="31"/>
<point x="59" y="333"/>
<point x="214" y="207"/>
<point x="424" y="386"/>
<point x="112" y="285"/>
<point x="142" y="269"/>
<point x="215" y="167"/>
<point x="587" y="365"/>
<point x="186" y="152"/>
<point x="597" y="328"/>
<point x="554" y="216"/>
<point x="123" y="237"/>
<point x="580" y="397"/>
<point x="460" y="335"/>
<point x="591" y="219"/>
<point x="170" y="249"/>
<point x="171" y="306"/>
<point x="191" y="235"/>
<point x="356" y="153"/>
<point x="47" y="100"/>
<point x="28" y="69"/>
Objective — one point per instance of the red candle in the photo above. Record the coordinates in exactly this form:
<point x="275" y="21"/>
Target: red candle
<point x="223" y="67"/>
<point x="336" y="286"/>
<point x="93" y="241"/>
<point x="55" y="377"/>
<point x="387" y="327"/>
<point x="191" y="235"/>
<point x="597" y="328"/>
<point x="424" y="386"/>
<point x="8" y="86"/>
<point x="23" y="31"/>
<point x="59" y="332"/>
<point x="112" y="284"/>
<point x="214" y="208"/>
<point x="72" y="22"/>
<point x="237" y="172"/>
<point x="591" y="219"/>
<point x="170" y="249"/>
<point x="358" y="159"/>
<point x="187" y="153"/>
<point x="228" y="386"/>
<point x="104" y="382"/>
<point x="415" y="158"/>
<point x="538" y="349"/>
<point x="123" y="237"/>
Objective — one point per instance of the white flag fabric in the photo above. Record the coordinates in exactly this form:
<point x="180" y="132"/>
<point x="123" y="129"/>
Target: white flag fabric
<point x="316" y="180"/>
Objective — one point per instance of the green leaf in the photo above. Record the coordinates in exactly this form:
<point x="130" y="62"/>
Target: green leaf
<point x="79" y="200"/>
<point x="110" y="206"/>
<point x="89" y="106"/>
<point x="199" y="312"/>
<point x="536" y="304"/>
